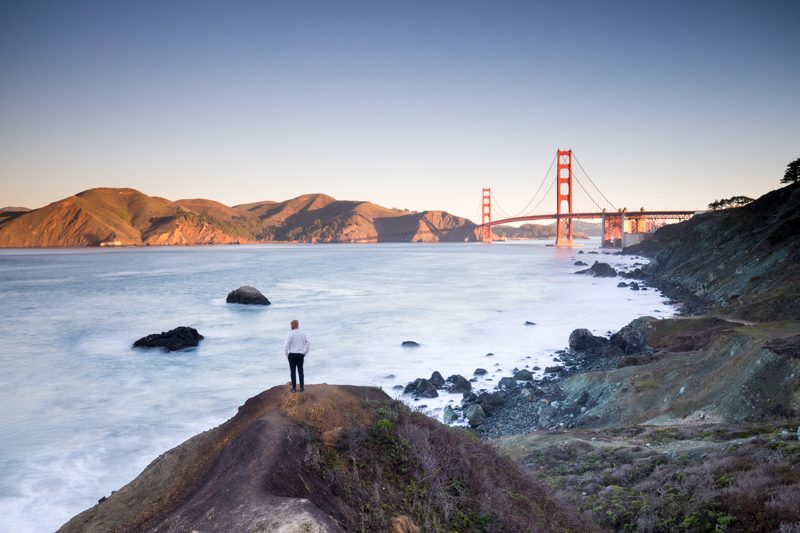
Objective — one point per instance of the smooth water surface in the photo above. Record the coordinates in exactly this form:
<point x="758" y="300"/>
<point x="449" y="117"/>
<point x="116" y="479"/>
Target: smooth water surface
<point x="82" y="413"/>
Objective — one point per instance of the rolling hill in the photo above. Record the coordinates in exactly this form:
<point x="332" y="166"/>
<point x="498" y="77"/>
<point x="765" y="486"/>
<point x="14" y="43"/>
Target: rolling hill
<point x="127" y="217"/>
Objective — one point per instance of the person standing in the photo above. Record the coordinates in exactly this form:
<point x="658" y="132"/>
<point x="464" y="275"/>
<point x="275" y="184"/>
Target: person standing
<point x="296" y="348"/>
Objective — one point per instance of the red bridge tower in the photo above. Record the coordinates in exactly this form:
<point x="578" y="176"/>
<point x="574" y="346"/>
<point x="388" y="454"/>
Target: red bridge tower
<point x="564" y="194"/>
<point x="486" y="215"/>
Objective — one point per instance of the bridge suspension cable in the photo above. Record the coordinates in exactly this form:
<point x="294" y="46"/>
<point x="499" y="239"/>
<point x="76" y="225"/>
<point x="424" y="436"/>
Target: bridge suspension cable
<point x="593" y="184"/>
<point x="525" y="209"/>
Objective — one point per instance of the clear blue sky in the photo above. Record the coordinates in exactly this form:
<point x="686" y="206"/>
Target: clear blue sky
<point x="408" y="104"/>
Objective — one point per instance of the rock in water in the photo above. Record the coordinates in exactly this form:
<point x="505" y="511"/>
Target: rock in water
<point x="480" y="372"/>
<point x="449" y="415"/>
<point x="410" y="344"/>
<point x="176" y="339"/>
<point x="458" y="384"/>
<point x="598" y="269"/>
<point x="421" y="387"/>
<point x="523" y="375"/>
<point x="437" y="379"/>
<point x="247" y="295"/>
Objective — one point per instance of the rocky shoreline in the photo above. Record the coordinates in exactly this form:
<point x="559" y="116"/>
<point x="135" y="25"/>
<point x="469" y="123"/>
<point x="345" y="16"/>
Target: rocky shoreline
<point x="521" y="403"/>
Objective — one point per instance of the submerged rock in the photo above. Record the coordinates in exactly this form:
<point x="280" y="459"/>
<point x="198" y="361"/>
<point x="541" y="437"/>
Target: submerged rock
<point x="580" y="264"/>
<point x="410" y="344"/>
<point x="529" y="323"/>
<point x="480" y="372"/>
<point x="172" y="340"/>
<point x="247" y="295"/>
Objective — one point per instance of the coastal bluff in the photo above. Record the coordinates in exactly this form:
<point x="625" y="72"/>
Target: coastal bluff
<point x="336" y="458"/>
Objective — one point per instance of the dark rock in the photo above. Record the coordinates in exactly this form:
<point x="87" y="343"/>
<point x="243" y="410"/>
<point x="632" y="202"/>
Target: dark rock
<point x="397" y="387"/>
<point x="421" y="388"/>
<point x="580" y="251"/>
<point x="389" y="376"/>
<point x="634" y="286"/>
<point x="536" y="368"/>
<point x="622" y="284"/>
<point x="580" y="264"/>
<point x="480" y="372"/>
<point x="175" y="339"/>
<point x="583" y="399"/>
<point x="490" y="354"/>
<point x="410" y="344"/>
<point x="523" y="375"/>
<point x="469" y="397"/>
<point x="602" y="270"/>
<point x="458" y="384"/>
<point x="247" y="295"/>
<point x="437" y="379"/>
<point x="632" y="339"/>
<point x="582" y="340"/>
<point x="490" y="402"/>
<point x="449" y="415"/>
<point x="474" y="415"/>
<point x="507" y="383"/>
<point x="529" y="323"/>
<point x="554" y="369"/>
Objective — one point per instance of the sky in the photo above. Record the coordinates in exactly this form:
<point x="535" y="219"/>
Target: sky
<point x="417" y="105"/>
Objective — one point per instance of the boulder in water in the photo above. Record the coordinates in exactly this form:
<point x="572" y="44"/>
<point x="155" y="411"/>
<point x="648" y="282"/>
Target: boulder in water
<point x="458" y="384"/>
<point x="172" y="340"/>
<point x="247" y="295"/>
<point x="410" y="344"/>
<point x="598" y="269"/>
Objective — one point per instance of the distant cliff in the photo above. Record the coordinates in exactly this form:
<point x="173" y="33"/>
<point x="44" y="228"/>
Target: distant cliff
<point x="746" y="259"/>
<point x="127" y="217"/>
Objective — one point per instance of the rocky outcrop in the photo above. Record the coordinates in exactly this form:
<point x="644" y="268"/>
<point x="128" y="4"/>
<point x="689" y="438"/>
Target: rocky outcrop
<point x="290" y="462"/>
<point x="172" y="340"/>
<point x="247" y="295"/>
<point x="745" y="259"/>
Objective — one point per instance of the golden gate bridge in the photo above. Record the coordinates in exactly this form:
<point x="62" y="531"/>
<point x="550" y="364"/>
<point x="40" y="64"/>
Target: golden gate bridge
<point x="620" y="226"/>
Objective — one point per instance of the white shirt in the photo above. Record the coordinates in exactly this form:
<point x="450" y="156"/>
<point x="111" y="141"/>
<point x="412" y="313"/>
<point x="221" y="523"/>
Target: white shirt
<point x="296" y="342"/>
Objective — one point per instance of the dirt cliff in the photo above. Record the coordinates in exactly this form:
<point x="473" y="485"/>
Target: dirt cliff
<point x="335" y="458"/>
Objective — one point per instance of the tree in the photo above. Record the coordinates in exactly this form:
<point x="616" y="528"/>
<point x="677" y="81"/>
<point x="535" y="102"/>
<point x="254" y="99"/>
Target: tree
<point x="792" y="174"/>
<point x="733" y="201"/>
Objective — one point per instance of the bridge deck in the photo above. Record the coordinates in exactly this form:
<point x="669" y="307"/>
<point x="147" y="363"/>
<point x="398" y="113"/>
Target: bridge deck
<point x="628" y="214"/>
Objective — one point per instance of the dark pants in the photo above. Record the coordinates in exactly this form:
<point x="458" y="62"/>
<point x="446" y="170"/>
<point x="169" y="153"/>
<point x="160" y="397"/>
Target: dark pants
<point x="296" y="362"/>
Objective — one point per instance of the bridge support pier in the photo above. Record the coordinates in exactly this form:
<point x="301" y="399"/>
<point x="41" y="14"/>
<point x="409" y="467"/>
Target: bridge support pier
<point x="564" y="197"/>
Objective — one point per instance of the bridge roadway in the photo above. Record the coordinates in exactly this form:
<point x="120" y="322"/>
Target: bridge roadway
<point x="628" y="214"/>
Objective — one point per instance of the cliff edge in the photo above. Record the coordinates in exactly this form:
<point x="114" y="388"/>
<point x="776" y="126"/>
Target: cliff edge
<point x="336" y="458"/>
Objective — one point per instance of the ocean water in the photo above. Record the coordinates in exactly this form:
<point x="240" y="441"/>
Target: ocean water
<point x="82" y="412"/>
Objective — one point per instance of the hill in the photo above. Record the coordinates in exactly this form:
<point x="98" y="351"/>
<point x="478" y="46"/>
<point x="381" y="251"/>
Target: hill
<point x="745" y="259"/>
<point x="127" y="217"/>
<point x="582" y="230"/>
<point x="335" y="458"/>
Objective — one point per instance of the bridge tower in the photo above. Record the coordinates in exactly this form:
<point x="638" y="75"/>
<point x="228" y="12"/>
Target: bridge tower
<point x="486" y="215"/>
<point x="564" y="197"/>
